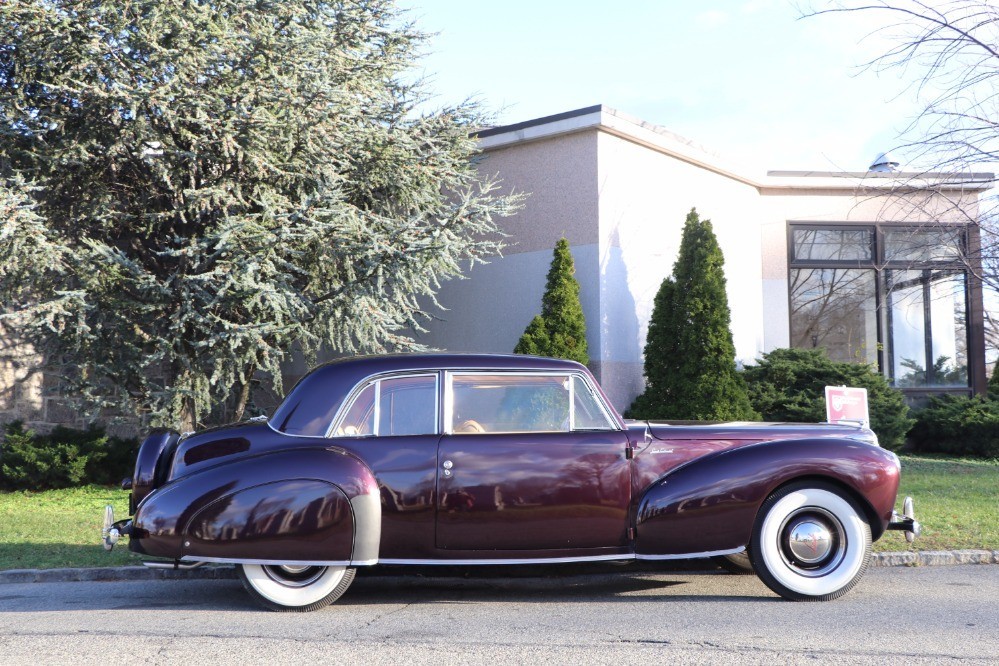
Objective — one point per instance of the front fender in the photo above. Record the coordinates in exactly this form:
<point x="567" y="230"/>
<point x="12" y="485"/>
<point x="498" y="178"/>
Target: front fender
<point x="711" y="504"/>
<point x="312" y="504"/>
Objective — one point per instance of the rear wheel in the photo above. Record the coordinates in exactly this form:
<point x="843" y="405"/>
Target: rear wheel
<point x="298" y="588"/>
<point x="811" y="542"/>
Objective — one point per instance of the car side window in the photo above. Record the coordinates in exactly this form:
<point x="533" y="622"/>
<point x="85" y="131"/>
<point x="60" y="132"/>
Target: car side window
<point x="509" y="403"/>
<point x="587" y="412"/>
<point x="407" y="406"/>
<point x="360" y="417"/>
<point x="391" y="407"/>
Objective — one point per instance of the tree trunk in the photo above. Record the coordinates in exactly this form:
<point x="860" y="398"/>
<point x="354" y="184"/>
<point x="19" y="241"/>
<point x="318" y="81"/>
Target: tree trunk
<point x="244" y="394"/>
<point x="188" y="417"/>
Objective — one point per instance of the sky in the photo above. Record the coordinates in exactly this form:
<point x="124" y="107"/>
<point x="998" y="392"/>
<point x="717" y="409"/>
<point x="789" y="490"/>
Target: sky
<point x="750" y="80"/>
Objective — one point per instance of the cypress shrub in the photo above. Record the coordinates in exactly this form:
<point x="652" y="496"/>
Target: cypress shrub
<point x="690" y="368"/>
<point x="560" y="330"/>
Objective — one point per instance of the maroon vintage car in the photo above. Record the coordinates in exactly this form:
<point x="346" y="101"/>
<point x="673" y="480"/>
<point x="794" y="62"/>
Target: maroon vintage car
<point x="489" y="459"/>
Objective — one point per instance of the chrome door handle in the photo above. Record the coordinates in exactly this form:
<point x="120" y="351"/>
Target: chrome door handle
<point x="447" y="465"/>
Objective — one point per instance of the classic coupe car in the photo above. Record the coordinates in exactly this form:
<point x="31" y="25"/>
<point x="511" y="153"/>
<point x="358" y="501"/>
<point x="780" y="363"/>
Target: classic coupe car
<point x="489" y="459"/>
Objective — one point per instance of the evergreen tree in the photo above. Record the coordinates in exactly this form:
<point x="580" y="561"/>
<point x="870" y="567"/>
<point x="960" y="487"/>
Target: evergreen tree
<point x="560" y="330"/>
<point x="535" y="340"/>
<point x="689" y="355"/>
<point x="993" y="390"/>
<point x="215" y="183"/>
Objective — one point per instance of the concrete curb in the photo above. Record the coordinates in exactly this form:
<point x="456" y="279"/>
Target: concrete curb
<point x="225" y="572"/>
<point x="934" y="558"/>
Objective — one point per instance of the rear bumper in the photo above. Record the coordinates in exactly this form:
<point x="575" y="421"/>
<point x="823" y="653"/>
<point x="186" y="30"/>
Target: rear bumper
<point x="906" y="522"/>
<point x="112" y="531"/>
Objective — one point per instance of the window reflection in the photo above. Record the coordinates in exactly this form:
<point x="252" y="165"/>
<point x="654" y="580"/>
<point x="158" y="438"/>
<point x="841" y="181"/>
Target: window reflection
<point x="902" y="305"/>
<point x="927" y="323"/>
<point x="922" y="245"/>
<point x="836" y="309"/>
<point x="811" y="244"/>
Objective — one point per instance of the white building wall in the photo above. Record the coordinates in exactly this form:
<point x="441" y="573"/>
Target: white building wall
<point x="645" y="196"/>
<point x="489" y="310"/>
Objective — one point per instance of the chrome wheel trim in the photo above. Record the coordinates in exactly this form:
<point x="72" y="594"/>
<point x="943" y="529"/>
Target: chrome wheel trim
<point x="842" y="563"/>
<point x="813" y="541"/>
<point x="292" y="569"/>
<point x="293" y="586"/>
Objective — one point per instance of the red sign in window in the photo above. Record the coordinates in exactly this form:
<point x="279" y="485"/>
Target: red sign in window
<point x="844" y="403"/>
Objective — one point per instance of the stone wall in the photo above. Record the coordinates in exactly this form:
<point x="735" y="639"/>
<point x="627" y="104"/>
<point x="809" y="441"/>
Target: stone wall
<point x="35" y="396"/>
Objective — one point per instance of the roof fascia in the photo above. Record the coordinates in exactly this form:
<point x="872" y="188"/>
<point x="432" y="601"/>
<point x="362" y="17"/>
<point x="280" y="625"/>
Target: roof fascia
<point x="610" y="121"/>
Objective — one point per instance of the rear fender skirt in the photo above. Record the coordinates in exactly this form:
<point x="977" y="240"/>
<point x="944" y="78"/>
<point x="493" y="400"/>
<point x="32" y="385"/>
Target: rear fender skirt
<point x="711" y="504"/>
<point x="292" y="504"/>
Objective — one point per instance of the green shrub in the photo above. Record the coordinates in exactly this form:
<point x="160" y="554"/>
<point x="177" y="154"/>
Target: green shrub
<point x="63" y="458"/>
<point x="690" y="370"/>
<point x="958" y="425"/>
<point x="560" y="330"/>
<point x="789" y="385"/>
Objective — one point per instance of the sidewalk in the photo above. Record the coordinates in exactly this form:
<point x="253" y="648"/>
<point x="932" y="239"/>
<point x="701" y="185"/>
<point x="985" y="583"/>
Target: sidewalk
<point x="220" y="572"/>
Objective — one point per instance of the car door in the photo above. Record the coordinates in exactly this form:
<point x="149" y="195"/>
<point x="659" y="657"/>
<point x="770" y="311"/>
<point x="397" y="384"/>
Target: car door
<point x="529" y="462"/>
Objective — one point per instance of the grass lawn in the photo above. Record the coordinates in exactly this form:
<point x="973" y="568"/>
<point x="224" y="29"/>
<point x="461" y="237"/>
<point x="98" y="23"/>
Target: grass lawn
<point x="957" y="501"/>
<point x="60" y="528"/>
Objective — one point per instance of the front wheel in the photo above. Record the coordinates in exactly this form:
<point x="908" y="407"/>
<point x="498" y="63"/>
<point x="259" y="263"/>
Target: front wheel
<point x="811" y="542"/>
<point x="294" y="588"/>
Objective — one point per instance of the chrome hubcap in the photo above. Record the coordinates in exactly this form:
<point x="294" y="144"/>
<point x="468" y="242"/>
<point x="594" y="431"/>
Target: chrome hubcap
<point x="809" y="541"/>
<point x="812" y="541"/>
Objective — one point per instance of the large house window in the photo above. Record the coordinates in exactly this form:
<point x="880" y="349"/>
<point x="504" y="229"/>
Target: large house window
<point x="893" y="296"/>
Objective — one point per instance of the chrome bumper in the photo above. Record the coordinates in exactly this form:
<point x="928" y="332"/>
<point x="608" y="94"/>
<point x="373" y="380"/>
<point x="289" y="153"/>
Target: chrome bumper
<point x="906" y="522"/>
<point x="112" y="531"/>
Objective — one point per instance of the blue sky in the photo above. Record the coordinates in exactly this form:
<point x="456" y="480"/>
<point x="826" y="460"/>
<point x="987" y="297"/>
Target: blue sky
<point x="747" y="79"/>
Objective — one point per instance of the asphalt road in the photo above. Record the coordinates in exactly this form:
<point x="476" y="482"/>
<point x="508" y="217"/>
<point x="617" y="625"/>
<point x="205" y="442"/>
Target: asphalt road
<point x="899" y="615"/>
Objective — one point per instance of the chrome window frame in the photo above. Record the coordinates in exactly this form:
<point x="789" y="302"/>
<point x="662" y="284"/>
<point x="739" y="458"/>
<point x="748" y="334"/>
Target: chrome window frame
<point x="377" y="379"/>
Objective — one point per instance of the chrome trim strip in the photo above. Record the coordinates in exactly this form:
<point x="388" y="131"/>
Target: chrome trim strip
<point x="448" y="406"/>
<point x="533" y="560"/>
<point x="614" y="426"/>
<point x="689" y="556"/>
<point x="237" y="560"/>
<point x="457" y="562"/>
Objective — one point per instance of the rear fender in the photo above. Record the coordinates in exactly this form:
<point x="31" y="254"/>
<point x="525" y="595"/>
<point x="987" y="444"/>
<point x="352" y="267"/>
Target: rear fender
<point x="317" y="505"/>
<point x="710" y="505"/>
<point x="152" y="464"/>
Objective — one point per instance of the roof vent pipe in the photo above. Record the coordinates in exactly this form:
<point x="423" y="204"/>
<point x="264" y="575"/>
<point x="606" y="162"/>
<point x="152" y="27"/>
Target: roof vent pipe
<point x="883" y="162"/>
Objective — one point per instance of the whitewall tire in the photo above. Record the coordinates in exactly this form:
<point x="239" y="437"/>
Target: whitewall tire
<point x="811" y="542"/>
<point x="294" y="588"/>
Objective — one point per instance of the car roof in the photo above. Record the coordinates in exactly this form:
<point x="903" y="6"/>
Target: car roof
<point x="376" y="364"/>
<point x="327" y="386"/>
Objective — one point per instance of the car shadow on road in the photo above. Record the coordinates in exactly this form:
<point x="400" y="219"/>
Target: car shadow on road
<point x="228" y="595"/>
<point x="601" y="588"/>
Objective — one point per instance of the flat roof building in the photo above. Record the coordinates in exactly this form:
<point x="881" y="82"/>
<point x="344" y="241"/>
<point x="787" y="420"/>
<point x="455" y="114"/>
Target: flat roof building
<point x="872" y="266"/>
